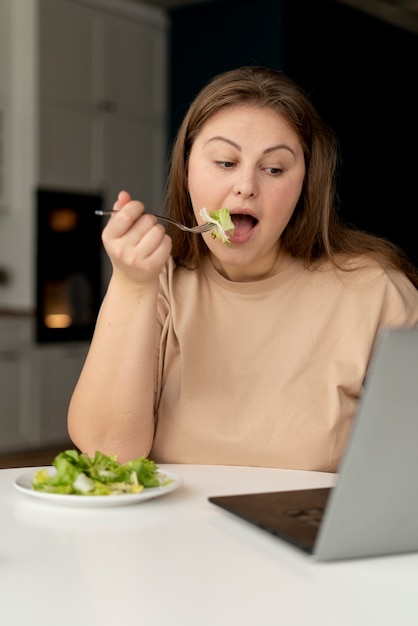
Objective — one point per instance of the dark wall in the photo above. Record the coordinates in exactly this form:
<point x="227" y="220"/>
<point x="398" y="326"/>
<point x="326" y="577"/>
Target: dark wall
<point x="209" y="38"/>
<point x="359" y="71"/>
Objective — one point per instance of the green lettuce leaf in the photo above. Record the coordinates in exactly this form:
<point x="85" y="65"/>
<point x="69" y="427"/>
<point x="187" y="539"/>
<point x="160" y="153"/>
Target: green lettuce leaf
<point x="221" y="219"/>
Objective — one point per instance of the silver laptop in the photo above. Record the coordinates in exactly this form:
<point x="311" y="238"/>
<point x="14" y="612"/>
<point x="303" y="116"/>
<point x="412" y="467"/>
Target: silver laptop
<point x="373" y="508"/>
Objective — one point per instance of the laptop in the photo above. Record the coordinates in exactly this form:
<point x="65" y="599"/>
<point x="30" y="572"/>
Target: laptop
<point x="373" y="508"/>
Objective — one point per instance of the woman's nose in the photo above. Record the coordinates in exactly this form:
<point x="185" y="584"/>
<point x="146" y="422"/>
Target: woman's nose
<point x="245" y="185"/>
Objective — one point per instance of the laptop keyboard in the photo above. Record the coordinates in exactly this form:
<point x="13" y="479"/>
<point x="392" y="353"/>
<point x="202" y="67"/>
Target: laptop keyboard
<point x="310" y="516"/>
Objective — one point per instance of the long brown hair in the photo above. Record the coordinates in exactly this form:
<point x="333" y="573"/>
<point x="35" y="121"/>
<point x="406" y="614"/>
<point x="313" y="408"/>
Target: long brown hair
<point x="315" y="231"/>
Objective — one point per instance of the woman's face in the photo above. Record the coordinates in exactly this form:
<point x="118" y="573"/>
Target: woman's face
<point x="249" y="160"/>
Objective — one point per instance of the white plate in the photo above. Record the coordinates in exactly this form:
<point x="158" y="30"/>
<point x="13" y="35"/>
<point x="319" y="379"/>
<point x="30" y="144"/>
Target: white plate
<point x="24" y="485"/>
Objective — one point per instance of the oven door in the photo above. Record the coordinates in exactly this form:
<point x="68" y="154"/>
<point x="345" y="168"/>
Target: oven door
<point x="68" y="265"/>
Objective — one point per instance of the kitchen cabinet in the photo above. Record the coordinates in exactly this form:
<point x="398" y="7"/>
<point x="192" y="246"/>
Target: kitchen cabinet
<point x="84" y="110"/>
<point x="103" y="101"/>
<point x="36" y="383"/>
<point x="14" y="378"/>
<point x="4" y="47"/>
<point x="83" y="107"/>
<point x="56" y="373"/>
<point x="4" y="98"/>
<point x="3" y="151"/>
<point x="15" y="382"/>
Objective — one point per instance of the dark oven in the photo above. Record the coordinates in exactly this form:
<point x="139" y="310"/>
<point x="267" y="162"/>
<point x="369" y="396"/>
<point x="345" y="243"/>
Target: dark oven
<point x="68" y="265"/>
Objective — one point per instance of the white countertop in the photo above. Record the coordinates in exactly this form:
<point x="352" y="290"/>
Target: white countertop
<point x="178" y="560"/>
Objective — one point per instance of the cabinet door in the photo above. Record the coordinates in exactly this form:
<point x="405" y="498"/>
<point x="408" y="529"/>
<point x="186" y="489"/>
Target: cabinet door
<point x="133" y="160"/>
<point x="67" y="35"/>
<point x="3" y="156"/>
<point x="59" y="369"/>
<point x="133" y="68"/>
<point x="4" y="49"/>
<point x="67" y="149"/>
<point x="67" y="85"/>
<point x="15" y="399"/>
<point x="103" y="104"/>
<point x="4" y="96"/>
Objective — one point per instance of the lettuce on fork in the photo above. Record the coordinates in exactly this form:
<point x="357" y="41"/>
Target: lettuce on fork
<point x="222" y="224"/>
<point x="77" y="473"/>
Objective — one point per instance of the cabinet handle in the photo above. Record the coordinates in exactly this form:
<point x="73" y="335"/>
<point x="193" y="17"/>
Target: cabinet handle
<point x="4" y="276"/>
<point x="107" y="106"/>
<point x="8" y="355"/>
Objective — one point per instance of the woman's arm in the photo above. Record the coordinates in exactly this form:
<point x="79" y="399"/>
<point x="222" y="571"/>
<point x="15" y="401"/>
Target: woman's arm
<point x="111" y="409"/>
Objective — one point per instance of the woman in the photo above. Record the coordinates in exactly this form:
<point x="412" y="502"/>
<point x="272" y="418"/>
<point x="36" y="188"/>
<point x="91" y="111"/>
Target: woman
<point x="253" y="354"/>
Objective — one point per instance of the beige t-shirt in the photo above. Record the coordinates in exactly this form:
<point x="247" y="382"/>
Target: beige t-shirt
<point x="268" y="373"/>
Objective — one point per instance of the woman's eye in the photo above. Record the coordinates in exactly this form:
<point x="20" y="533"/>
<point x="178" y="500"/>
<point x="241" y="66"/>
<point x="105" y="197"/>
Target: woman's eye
<point x="274" y="170"/>
<point x="225" y="164"/>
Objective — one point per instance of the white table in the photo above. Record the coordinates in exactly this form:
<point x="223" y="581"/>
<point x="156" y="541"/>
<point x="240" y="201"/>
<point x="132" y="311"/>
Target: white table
<point x="180" y="561"/>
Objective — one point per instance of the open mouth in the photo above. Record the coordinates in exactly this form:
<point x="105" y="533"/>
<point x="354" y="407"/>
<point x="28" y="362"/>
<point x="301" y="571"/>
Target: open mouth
<point x="243" y="223"/>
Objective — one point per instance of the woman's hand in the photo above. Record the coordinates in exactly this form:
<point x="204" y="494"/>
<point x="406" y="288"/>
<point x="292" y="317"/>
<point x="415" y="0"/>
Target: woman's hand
<point x="136" y="243"/>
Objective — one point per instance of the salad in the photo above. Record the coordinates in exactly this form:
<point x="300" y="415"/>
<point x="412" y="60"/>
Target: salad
<point x="222" y="222"/>
<point x="101" y="475"/>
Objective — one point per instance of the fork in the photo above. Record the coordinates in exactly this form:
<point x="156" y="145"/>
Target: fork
<point x="200" y="228"/>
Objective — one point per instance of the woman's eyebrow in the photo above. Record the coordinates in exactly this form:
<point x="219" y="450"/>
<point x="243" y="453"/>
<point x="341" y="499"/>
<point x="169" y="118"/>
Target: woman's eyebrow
<point x="220" y="138"/>
<point x="280" y="146"/>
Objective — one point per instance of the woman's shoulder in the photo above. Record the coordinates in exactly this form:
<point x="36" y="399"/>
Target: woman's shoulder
<point x="363" y="275"/>
<point x="379" y="281"/>
<point x="362" y="268"/>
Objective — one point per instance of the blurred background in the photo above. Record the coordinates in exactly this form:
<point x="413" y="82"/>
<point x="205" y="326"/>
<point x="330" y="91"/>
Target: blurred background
<point x="91" y="95"/>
